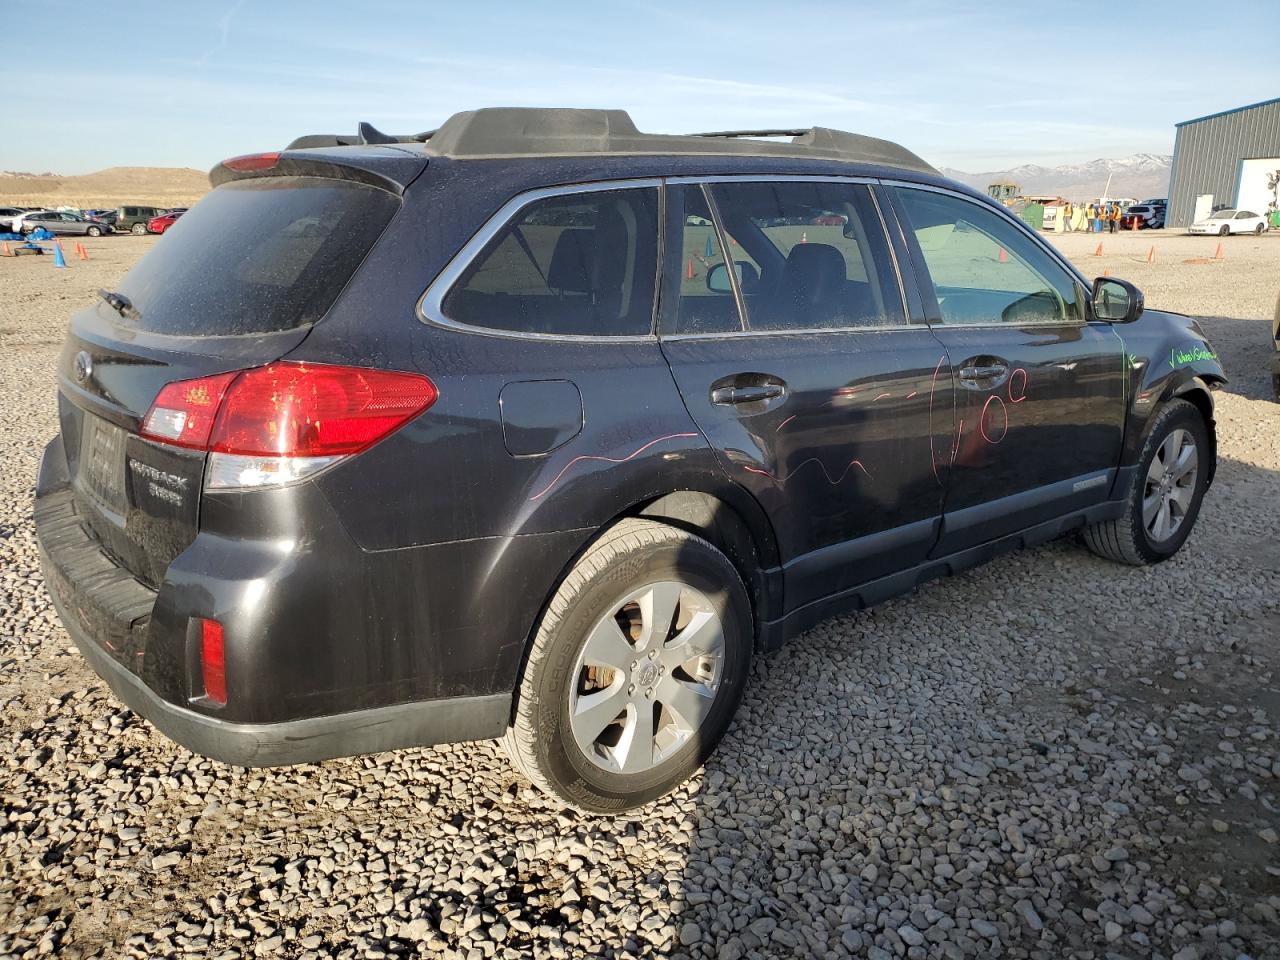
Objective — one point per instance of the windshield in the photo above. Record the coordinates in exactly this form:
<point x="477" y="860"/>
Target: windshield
<point x="257" y="256"/>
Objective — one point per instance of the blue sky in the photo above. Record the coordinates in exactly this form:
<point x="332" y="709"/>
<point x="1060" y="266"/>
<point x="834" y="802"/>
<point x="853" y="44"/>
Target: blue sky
<point x="972" y="86"/>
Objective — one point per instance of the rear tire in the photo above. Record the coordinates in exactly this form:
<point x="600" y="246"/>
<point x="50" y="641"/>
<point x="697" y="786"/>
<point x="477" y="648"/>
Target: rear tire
<point x="1259" y="228"/>
<point x="1132" y="539"/>
<point x="599" y="616"/>
<point x="138" y="229"/>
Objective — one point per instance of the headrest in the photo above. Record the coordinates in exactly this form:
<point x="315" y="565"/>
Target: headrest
<point x="572" y="261"/>
<point x="814" y="270"/>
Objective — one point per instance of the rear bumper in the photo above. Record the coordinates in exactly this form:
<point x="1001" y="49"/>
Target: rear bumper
<point x="134" y="637"/>
<point x="300" y="741"/>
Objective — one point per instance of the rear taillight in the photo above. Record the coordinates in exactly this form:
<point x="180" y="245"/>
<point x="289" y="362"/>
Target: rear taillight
<point x="253" y="161"/>
<point x="213" y="661"/>
<point x="282" y="422"/>
<point x="183" y="412"/>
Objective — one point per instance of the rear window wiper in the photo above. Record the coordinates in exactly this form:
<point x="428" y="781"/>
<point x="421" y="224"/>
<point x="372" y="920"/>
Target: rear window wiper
<point x="120" y="303"/>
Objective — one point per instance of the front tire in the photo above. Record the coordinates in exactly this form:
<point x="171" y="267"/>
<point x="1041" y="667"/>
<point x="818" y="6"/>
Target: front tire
<point x="636" y="670"/>
<point x="138" y="229"/>
<point x="94" y="232"/>
<point x="1165" y="493"/>
<point x="1224" y="231"/>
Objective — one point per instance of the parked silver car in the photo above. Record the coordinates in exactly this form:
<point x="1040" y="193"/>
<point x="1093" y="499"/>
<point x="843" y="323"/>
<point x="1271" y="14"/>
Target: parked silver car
<point x="58" y="222"/>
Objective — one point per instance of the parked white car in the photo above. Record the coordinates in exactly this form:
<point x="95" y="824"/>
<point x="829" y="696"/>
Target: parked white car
<point x="1230" y="221"/>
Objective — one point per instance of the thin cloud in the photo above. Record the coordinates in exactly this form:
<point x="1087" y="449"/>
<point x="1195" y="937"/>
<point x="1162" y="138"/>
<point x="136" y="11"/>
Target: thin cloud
<point x="224" y="28"/>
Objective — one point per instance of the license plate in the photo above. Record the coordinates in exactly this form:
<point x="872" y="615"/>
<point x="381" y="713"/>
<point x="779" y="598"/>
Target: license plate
<point x="102" y="463"/>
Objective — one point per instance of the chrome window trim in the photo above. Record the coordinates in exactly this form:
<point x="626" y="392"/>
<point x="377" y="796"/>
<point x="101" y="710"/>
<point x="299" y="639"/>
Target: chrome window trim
<point x="429" y="304"/>
<point x="796" y="332"/>
<point x="765" y="177"/>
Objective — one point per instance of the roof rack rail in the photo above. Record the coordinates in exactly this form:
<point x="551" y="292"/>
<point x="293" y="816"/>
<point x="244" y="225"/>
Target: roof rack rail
<point x="730" y="134"/>
<point x="510" y="132"/>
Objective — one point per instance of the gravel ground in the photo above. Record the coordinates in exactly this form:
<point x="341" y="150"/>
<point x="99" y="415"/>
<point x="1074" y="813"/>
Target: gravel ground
<point x="1051" y="756"/>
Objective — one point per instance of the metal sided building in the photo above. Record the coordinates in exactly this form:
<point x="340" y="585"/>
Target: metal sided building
<point x="1228" y="156"/>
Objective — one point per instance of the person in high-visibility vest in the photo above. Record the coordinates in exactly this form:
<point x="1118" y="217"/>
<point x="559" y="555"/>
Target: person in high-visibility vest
<point x="1115" y="216"/>
<point x="1089" y="215"/>
<point x="1066" y="216"/>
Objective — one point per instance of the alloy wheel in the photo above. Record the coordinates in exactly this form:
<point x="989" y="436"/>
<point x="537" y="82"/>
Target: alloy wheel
<point x="647" y="677"/>
<point x="1171" y="485"/>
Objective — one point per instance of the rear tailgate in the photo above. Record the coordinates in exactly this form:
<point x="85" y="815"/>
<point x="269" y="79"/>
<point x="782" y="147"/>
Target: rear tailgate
<point x="238" y="283"/>
<point x="140" y="498"/>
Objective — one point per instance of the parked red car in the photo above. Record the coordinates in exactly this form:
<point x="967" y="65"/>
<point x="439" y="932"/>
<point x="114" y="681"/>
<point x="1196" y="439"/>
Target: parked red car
<point x="163" y="222"/>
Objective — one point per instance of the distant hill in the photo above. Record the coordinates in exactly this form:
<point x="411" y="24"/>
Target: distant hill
<point x="152" y="186"/>
<point x="1142" y="176"/>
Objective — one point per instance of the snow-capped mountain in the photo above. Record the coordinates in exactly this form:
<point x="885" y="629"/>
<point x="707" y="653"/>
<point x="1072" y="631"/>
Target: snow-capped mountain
<point x="1142" y="176"/>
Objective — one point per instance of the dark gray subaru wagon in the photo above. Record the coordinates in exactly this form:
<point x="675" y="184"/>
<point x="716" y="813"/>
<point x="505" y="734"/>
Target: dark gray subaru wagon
<point x="539" y="427"/>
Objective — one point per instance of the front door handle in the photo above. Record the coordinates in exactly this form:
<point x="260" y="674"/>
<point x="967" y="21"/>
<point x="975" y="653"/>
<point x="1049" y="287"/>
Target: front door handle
<point x="751" y="393"/>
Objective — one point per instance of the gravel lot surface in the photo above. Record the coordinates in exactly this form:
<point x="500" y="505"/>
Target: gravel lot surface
<point x="1051" y="756"/>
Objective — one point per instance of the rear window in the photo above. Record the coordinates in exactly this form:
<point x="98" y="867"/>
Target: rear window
<point x="257" y="256"/>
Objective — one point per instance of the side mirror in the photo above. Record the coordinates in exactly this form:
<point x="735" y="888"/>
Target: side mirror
<point x="1116" y="301"/>
<point x="718" y="277"/>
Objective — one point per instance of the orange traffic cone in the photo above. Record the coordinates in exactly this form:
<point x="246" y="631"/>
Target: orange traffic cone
<point x="1218" y="254"/>
<point x="7" y="251"/>
<point x="81" y="251"/>
<point x="1098" y="252"/>
<point x="1004" y="256"/>
<point x="689" y="271"/>
<point x="1151" y="255"/>
<point x="1106" y="273"/>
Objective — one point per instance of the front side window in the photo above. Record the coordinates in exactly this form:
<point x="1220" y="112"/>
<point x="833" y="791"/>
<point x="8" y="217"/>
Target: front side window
<point x="813" y="255"/>
<point x="984" y="268"/>
<point x="575" y="264"/>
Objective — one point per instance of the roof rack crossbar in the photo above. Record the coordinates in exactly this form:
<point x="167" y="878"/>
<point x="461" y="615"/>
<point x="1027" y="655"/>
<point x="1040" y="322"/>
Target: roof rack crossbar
<point x="366" y="133"/>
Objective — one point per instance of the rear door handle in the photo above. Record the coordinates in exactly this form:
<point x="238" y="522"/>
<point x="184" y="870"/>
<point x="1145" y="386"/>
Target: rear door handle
<point x="752" y="393"/>
<point x="985" y="373"/>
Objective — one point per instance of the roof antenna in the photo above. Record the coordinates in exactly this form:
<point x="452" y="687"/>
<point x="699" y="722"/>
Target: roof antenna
<point x="368" y="133"/>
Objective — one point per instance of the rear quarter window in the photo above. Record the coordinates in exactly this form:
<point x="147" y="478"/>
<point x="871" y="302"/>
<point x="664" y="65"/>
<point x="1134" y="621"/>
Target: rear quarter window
<point x="577" y="264"/>
<point x="258" y="256"/>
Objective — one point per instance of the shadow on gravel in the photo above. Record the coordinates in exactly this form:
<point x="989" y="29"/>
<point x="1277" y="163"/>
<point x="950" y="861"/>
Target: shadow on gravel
<point x="1247" y="350"/>
<point x="1049" y="756"/>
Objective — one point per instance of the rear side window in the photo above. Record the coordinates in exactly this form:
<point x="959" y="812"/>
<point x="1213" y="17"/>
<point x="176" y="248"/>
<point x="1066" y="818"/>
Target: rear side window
<point x="809" y="255"/>
<point x="577" y="264"/>
<point x="697" y="294"/>
<point x="258" y="256"/>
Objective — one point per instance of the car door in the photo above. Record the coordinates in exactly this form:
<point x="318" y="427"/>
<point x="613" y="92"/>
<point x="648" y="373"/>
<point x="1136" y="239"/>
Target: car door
<point x="1039" y="388"/>
<point x="801" y="368"/>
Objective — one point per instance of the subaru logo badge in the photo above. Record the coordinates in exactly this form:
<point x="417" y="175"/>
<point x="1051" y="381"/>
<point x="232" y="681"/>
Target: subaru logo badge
<point x="84" y="367"/>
